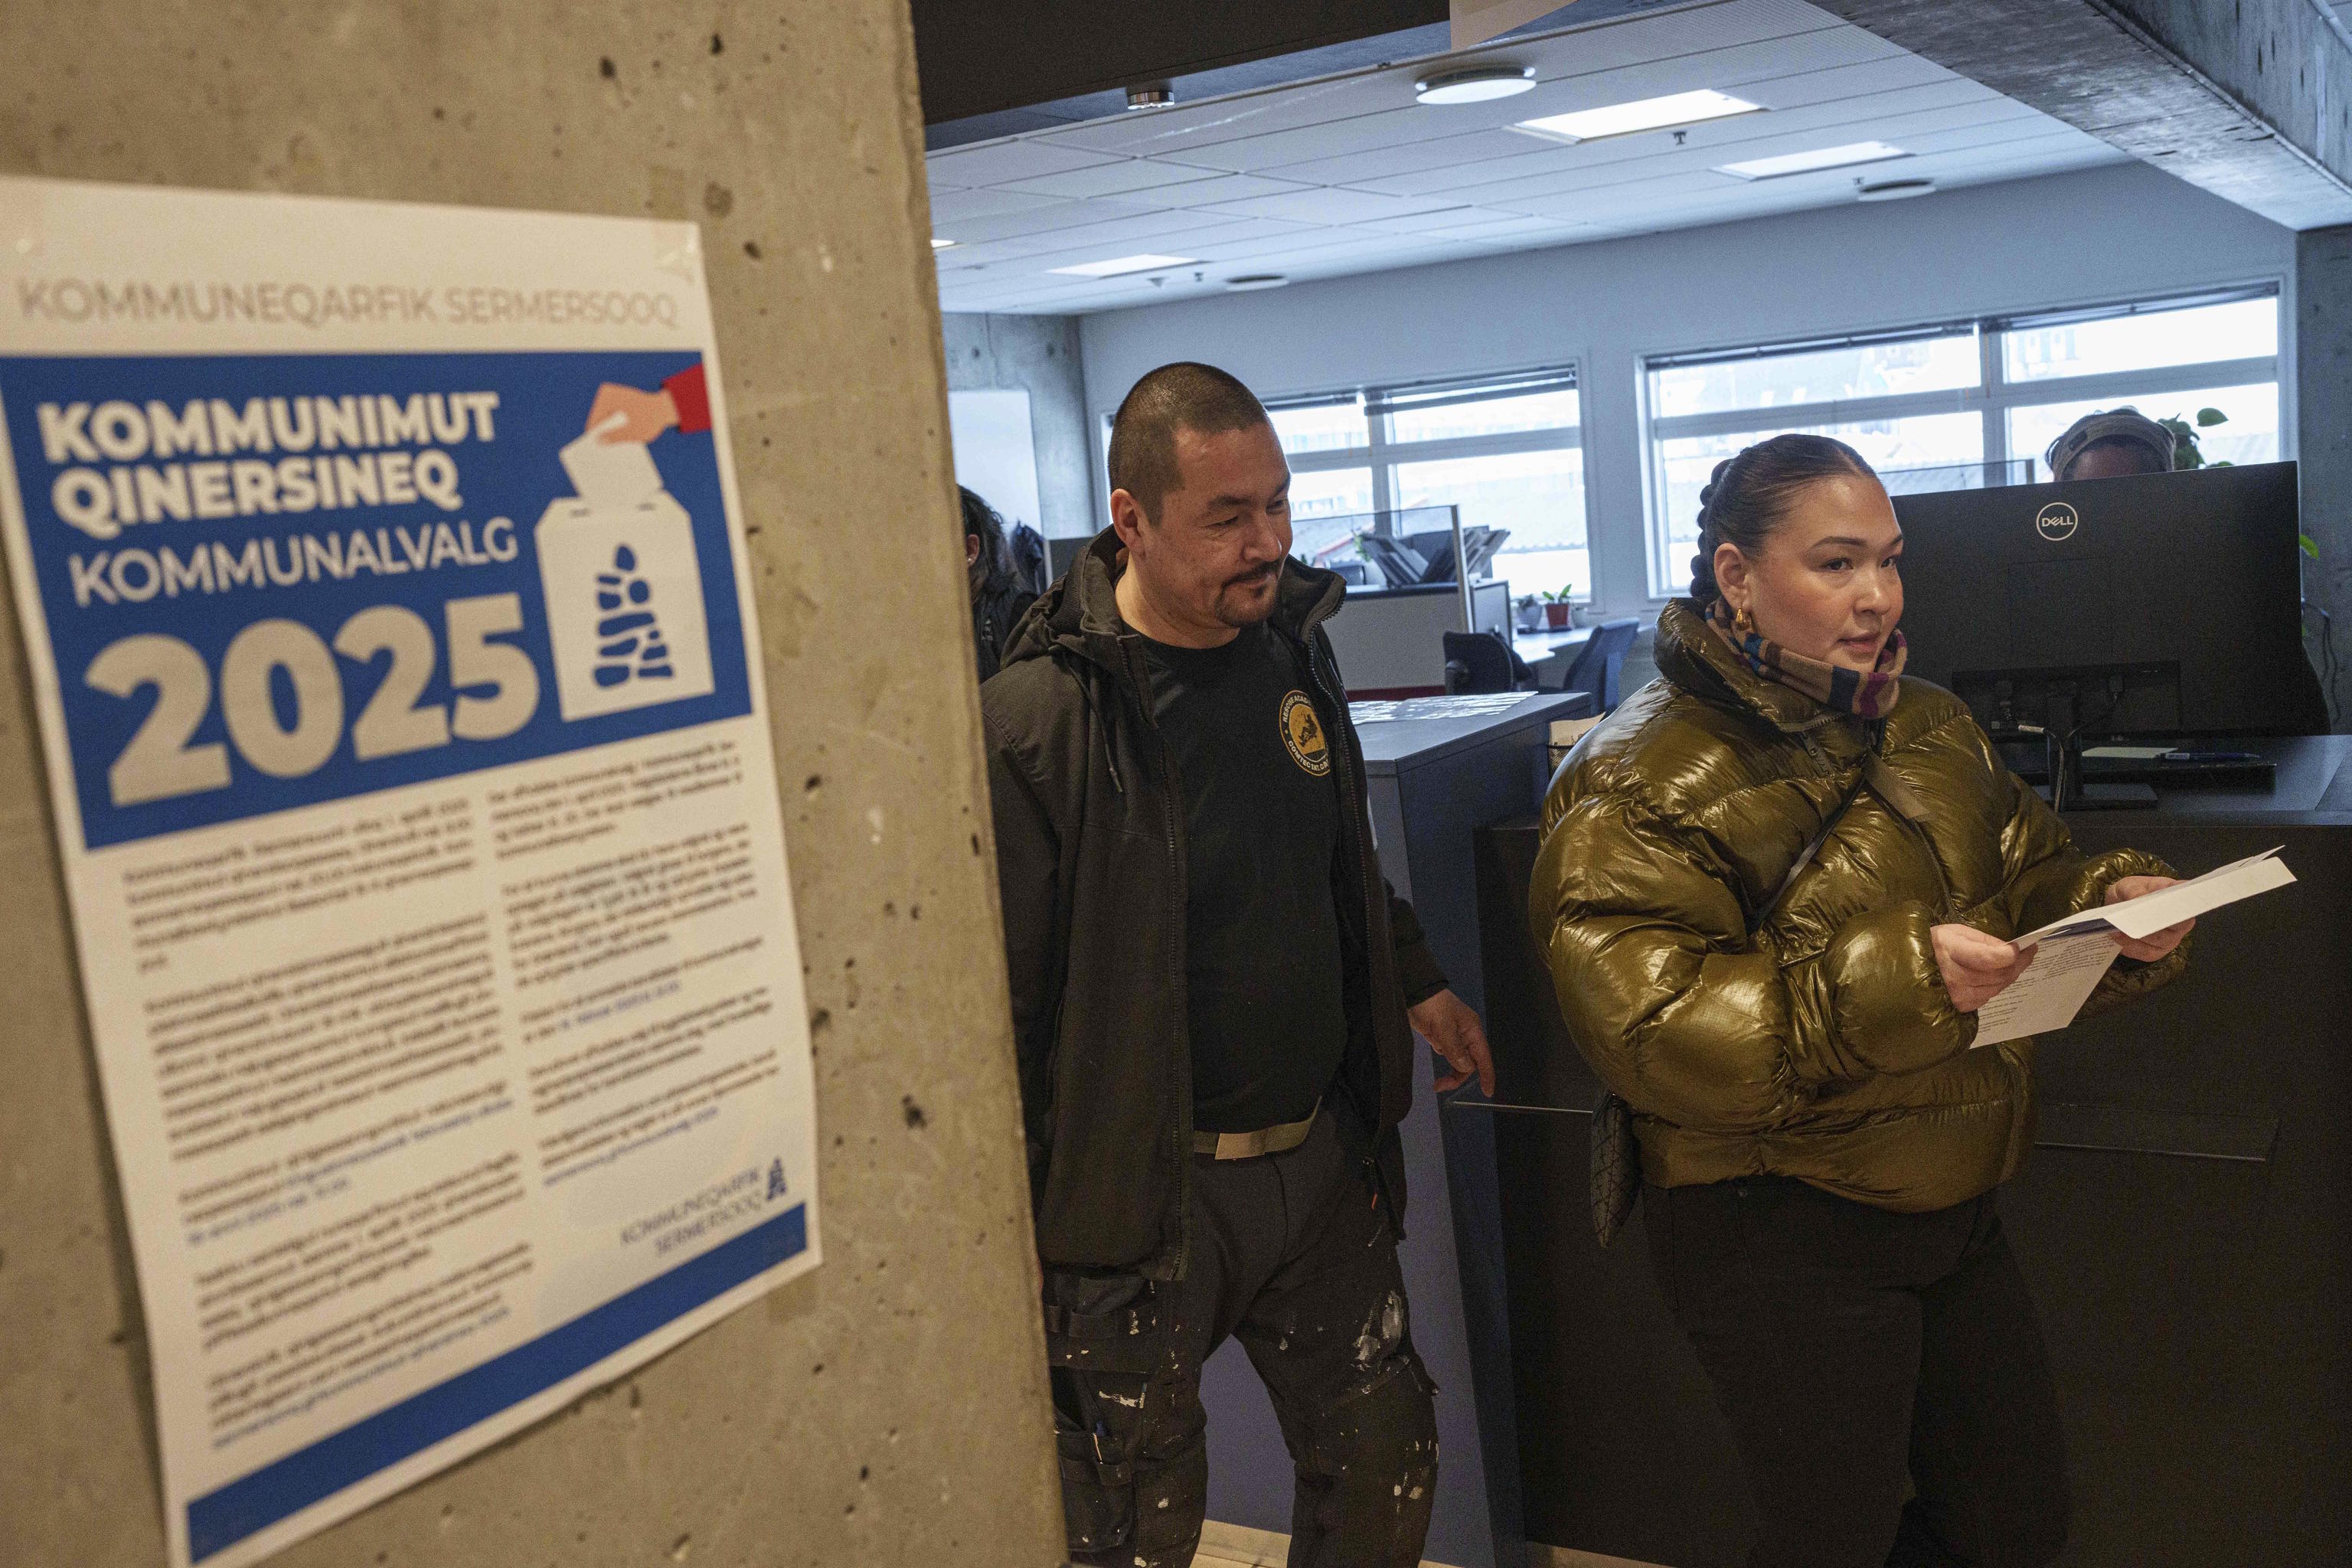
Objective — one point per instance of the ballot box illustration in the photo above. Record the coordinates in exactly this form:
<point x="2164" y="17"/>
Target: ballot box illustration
<point x="624" y="589"/>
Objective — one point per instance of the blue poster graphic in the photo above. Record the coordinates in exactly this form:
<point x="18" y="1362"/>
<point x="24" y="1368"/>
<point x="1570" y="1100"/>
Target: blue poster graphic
<point x="273" y="580"/>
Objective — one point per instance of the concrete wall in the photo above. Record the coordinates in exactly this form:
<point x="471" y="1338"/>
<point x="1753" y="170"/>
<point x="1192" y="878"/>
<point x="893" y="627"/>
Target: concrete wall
<point x="2323" y="318"/>
<point x="2103" y="235"/>
<point x="1039" y="356"/>
<point x="889" y="1409"/>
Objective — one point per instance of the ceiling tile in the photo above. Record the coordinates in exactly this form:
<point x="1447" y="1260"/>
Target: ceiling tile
<point x="1007" y="226"/>
<point x="1532" y="229"/>
<point x="1211" y="191"/>
<point x="1428" y="222"/>
<point x="1000" y="162"/>
<point x="958" y="206"/>
<point x="1312" y="205"/>
<point x="1117" y="177"/>
<point x="1366" y="169"/>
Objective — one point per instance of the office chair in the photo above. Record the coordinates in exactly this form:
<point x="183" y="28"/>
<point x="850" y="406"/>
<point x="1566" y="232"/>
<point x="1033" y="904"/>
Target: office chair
<point x="1600" y="663"/>
<point x="1477" y="663"/>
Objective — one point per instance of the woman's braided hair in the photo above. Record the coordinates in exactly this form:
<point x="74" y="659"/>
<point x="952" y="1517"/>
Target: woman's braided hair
<point x="1750" y="493"/>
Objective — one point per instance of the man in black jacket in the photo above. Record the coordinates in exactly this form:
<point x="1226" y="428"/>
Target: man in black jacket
<point x="1211" y="988"/>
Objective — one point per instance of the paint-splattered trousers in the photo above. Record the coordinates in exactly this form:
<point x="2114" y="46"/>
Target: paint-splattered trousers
<point x="1292" y="1254"/>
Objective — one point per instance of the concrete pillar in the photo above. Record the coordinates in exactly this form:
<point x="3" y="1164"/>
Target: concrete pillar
<point x="1038" y="355"/>
<point x="889" y="1409"/>
<point x="2323" y="369"/>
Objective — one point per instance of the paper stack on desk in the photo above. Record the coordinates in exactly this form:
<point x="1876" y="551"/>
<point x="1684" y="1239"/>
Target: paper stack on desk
<point x="2071" y="955"/>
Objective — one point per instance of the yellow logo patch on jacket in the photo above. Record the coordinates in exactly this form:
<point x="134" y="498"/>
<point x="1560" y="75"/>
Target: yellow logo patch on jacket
<point x="1302" y="733"/>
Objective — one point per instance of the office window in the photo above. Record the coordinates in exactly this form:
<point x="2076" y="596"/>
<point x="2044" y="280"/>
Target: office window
<point x="1506" y="450"/>
<point x="1961" y="404"/>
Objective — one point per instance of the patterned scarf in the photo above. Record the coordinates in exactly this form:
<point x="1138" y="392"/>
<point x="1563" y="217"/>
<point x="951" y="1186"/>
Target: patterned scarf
<point x="1865" y="696"/>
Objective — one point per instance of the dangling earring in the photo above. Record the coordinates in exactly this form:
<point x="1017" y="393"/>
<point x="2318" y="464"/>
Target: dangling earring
<point x="1743" y="623"/>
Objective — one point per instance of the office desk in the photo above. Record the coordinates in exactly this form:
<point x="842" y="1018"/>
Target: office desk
<point x="1550" y="653"/>
<point x="2185" y="1224"/>
<point x="1436" y="777"/>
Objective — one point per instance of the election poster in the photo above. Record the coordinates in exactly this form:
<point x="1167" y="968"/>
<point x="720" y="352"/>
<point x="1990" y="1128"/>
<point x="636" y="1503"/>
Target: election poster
<point x="382" y="579"/>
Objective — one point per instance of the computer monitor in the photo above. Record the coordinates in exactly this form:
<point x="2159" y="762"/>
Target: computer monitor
<point x="2160" y="605"/>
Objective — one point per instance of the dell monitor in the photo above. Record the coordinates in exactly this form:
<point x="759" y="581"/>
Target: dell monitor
<point x="2161" y="605"/>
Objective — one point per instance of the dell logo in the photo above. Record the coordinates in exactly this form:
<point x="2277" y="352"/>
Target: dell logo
<point x="2055" y="521"/>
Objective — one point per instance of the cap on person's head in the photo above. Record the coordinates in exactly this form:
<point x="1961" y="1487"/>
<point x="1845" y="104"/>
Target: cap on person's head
<point x="2126" y="425"/>
<point x="1180" y="396"/>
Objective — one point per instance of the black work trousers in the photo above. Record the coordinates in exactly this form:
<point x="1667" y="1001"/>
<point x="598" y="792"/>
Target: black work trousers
<point x="1295" y="1254"/>
<point x="1860" y="1355"/>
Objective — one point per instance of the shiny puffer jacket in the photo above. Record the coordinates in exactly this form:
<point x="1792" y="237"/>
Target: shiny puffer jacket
<point x="1824" y="1046"/>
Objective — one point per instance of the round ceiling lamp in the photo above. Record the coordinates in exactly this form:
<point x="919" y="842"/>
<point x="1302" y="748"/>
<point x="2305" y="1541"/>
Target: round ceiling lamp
<point x="1150" y="95"/>
<point x="1249" y="282"/>
<point x="1480" y="84"/>
<point x="1894" y="190"/>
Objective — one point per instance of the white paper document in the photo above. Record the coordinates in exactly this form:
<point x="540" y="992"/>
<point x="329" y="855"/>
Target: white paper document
<point x="2071" y="955"/>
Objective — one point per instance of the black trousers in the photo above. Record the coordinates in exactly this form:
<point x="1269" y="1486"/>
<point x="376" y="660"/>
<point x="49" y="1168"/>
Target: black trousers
<point x="1293" y="1255"/>
<point x="1861" y="1355"/>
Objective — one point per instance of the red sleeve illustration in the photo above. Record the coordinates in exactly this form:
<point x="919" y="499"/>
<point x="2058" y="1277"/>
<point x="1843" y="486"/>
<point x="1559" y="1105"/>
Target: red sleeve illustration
<point x="691" y="398"/>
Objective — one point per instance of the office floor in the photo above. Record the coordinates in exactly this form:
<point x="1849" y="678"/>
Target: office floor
<point x="1232" y="1546"/>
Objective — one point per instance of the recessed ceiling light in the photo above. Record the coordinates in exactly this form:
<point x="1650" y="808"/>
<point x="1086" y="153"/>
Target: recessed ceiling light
<point x="1117" y="265"/>
<point x="1641" y="114"/>
<point x="1894" y="190"/>
<point x="1480" y="84"/>
<point x="1250" y="281"/>
<point x="1808" y="162"/>
<point x="938" y="244"/>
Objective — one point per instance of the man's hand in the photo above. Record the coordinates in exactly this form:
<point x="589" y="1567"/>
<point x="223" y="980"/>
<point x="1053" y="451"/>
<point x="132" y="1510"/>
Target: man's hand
<point x="2148" y="948"/>
<point x="1454" y="1032"/>
<point x="644" y="415"/>
<point x="1976" y="967"/>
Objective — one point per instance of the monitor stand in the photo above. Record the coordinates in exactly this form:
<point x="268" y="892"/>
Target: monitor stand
<point x="2064" y="738"/>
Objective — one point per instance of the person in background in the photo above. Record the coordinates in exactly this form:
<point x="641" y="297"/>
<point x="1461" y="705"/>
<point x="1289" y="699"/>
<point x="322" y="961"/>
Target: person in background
<point x="998" y="594"/>
<point x="1774" y="889"/>
<point x="1211" y="993"/>
<point x="2111" y="444"/>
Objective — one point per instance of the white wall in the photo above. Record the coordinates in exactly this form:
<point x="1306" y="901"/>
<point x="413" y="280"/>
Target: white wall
<point x="2106" y="234"/>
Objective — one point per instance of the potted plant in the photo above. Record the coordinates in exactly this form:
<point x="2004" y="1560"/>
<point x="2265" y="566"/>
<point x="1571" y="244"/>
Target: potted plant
<point x="1559" y="607"/>
<point x="2187" y="453"/>
<point x="1528" y="613"/>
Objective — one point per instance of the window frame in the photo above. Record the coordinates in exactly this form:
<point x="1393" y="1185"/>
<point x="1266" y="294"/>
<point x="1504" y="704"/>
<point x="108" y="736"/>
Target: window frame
<point x="1991" y="399"/>
<point x="1383" y="454"/>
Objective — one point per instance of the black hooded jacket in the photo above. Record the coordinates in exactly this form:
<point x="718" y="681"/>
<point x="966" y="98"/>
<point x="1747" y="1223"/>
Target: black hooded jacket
<point x="1090" y="866"/>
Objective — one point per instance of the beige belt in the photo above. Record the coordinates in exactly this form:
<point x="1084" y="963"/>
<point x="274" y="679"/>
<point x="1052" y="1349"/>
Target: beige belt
<point x="1265" y="1141"/>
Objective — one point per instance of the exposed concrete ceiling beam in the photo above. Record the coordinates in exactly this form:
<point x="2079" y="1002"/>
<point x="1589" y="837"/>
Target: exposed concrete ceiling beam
<point x="2250" y="100"/>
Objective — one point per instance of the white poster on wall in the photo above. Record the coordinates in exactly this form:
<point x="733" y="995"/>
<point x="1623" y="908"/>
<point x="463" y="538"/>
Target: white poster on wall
<point x="383" y="578"/>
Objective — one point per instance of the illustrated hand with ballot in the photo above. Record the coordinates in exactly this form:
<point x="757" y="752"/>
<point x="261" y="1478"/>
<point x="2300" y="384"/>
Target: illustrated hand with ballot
<point x="2148" y="948"/>
<point x="630" y="414"/>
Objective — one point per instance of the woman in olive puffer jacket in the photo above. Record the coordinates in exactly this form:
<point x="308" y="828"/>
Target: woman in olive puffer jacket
<point x="1819" y="1143"/>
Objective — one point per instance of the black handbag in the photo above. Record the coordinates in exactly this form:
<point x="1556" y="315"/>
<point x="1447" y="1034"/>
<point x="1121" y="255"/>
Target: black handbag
<point x="1616" y="1157"/>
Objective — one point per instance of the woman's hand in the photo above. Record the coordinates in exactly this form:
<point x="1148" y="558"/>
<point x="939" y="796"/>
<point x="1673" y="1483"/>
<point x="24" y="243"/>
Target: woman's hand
<point x="1976" y="967"/>
<point x="2148" y="948"/>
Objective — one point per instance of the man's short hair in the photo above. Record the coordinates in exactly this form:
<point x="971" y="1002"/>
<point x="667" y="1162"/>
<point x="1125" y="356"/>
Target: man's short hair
<point x="1179" y="397"/>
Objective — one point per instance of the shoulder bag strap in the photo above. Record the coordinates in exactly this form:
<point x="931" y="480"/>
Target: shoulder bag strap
<point x="1805" y="857"/>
